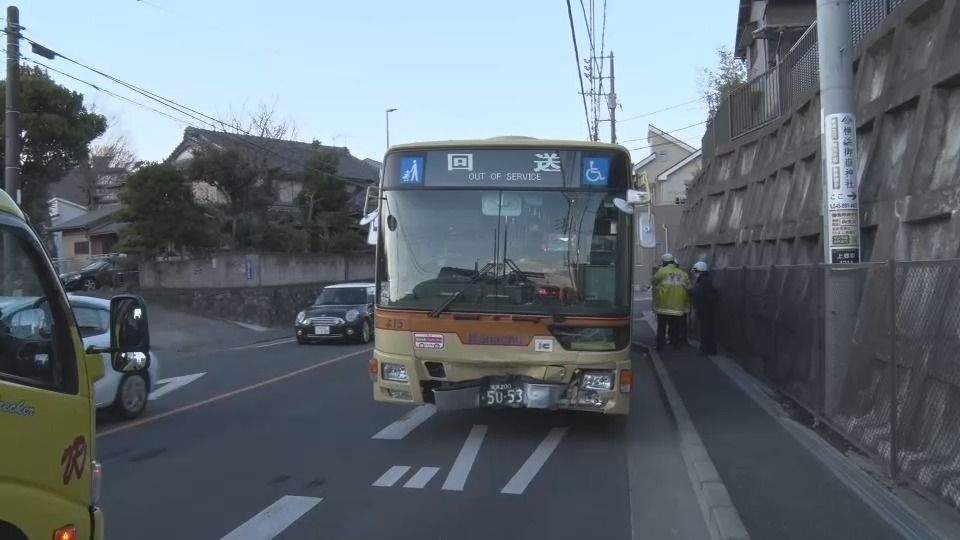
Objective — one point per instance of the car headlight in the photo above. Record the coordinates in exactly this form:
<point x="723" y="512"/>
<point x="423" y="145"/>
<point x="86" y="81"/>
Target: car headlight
<point x="352" y="315"/>
<point x="301" y="316"/>
<point x="73" y="278"/>
<point x="599" y="380"/>
<point x="393" y="372"/>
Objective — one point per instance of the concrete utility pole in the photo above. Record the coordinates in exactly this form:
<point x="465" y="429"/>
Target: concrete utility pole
<point x="612" y="104"/>
<point x="841" y="210"/>
<point x="388" y="126"/>
<point x="11" y="173"/>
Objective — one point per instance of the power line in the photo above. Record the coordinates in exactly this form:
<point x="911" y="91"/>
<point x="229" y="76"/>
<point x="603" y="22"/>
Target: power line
<point x="672" y="131"/>
<point x="576" y="61"/>
<point x="670" y="108"/>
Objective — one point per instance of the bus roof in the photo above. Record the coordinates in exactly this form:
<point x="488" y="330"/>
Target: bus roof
<point x="8" y="206"/>
<point x="512" y="141"/>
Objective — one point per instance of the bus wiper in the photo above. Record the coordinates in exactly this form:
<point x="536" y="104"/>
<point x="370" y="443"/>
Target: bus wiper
<point x="453" y="297"/>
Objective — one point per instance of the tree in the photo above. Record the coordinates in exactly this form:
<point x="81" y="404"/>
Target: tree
<point x="325" y="204"/>
<point x="730" y="74"/>
<point x="58" y="129"/>
<point x="161" y="212"/>
<point x="114" y="153"/>
<point x="246" y="194"/>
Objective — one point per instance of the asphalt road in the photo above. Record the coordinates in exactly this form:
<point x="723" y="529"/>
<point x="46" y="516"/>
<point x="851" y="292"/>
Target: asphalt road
<point x="281" y="439"/>
<point x="277" y="440"/>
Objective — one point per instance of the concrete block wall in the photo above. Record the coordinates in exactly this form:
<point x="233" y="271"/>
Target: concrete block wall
<point x="758" y="200"/>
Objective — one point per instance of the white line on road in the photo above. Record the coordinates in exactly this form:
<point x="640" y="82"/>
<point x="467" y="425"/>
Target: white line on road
<point x="172" y="383"/>
<point x="457" y="477"/>
<point x="274" y="519"/>
<point x="407" y="423"/>
<point x="390" y="477"/>
<point x="534" y="463"/>
<point x="421" y="477"/>
<point x="270" y="344"/>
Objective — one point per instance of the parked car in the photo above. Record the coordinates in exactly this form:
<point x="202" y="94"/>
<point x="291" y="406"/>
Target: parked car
<point x="93" y="276"/>
<point x="341" y="311"/>
<point x="126" y="394"/>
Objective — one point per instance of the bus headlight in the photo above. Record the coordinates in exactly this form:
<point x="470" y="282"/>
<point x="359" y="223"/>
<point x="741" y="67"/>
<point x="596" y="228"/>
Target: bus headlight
<point x="393" y="372"/>
<point x="597" y="380"/>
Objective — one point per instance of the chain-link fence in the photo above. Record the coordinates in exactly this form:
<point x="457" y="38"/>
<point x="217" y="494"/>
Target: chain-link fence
<point x="903" y="315"/>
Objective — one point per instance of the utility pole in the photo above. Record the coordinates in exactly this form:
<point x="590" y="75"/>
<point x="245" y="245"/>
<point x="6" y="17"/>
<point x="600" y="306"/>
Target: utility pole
<point x="612" y="105"/>
<point x="11" y="173"/>
<point x="840" y="192"/>
<point x="388" y="126"/>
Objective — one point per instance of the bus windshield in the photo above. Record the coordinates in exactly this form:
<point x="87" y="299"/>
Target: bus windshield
<point x="503" y="251"/>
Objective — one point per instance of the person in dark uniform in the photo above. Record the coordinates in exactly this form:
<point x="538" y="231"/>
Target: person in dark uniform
<point x="705" y="299"/>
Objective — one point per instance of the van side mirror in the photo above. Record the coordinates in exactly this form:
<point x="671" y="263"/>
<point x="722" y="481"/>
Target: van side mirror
<point x="129" y="333"/>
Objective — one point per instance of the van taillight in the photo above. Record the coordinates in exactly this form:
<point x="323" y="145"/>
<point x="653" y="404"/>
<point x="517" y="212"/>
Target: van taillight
<point x="65" y="533"/>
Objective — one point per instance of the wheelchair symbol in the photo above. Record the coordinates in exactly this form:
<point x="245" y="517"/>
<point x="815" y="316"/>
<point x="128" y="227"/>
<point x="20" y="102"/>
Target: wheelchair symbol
<point x="593" y="175"/>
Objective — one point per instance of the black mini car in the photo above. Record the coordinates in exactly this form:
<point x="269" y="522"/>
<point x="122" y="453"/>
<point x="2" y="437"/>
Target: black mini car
<point x="343" y="311"/>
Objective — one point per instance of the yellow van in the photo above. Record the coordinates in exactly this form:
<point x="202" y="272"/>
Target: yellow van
<point x="49" y="478"/>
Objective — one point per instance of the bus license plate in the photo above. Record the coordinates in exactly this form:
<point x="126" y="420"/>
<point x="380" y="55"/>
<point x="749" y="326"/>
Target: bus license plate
<point x="503" y="395"/>
<point x="321" y="330"/>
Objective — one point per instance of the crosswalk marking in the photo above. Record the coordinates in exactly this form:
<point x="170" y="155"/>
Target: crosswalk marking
<point x="390" y="477"/>
<point x="274" y="519"/>
<point x="534" y="463"/>
<point x="421" y="477"/>
<point x="407" y="423"/>
<point x="457" y="477"/>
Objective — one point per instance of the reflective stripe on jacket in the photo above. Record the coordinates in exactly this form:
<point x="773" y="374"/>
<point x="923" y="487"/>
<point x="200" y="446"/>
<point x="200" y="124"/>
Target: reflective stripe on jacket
<point x="670" y="291"/>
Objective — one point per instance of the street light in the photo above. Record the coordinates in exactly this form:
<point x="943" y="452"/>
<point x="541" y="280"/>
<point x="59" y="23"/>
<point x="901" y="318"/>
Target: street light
<point x="388" y="126"/>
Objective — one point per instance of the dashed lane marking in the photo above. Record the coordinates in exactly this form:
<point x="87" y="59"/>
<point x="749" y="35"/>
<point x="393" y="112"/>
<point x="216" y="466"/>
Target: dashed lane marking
<point x="274" y="519"/>
<point x="407" y="423"/>
<point x="534" y="463"/>
<point x="389" y="478"/>
<point x="457" y="477"/>
<point x="420" y="478"/>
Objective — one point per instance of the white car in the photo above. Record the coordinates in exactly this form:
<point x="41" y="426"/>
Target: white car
<point x="125" y="393"/>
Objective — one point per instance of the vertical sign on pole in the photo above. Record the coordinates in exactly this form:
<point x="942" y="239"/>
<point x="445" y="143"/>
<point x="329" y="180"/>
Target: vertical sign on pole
<point x="842" y="204"/>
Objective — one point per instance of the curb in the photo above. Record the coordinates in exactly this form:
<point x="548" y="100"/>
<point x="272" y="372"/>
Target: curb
<point x="721" y="517"/>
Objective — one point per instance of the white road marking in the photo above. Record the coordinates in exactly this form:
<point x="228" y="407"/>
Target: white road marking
<point x="457" y="477"/>
<point x="421" y="477"/>
<point x="270" y="344"/>
<point x="172" y="383"/>
<point x="390" y="477"/>
<point x="534" y="463"/>
<point x="407" y="423"/>
<point x="274" y="519"/>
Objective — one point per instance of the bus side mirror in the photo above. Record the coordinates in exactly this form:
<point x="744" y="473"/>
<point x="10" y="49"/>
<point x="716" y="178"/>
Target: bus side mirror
<point x="129" y="333"/>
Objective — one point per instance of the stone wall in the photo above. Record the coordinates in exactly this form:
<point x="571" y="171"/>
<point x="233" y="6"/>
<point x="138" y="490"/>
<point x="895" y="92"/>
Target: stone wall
<point x="758" y="200"/>
<point x="265" y="289"/>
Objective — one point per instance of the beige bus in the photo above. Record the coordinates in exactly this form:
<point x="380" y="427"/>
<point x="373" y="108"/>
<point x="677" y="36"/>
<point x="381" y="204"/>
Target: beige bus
<point x="504" y="269"/>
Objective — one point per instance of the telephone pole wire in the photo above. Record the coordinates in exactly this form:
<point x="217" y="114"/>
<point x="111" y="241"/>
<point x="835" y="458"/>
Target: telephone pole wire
<point x="612" y="105"/>
<point x="11" y="173"/>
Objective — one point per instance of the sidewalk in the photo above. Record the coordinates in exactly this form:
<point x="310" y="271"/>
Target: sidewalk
<point x="780" y="489"/>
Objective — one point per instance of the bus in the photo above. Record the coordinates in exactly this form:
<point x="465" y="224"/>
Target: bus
<point x="504" y="275"/>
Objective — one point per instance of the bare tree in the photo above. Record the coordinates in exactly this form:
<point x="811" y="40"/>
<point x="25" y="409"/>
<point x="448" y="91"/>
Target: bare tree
<point x="114" y="153"/>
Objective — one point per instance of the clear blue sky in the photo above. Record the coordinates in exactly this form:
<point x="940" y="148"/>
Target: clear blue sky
<point x="454" y="69"/>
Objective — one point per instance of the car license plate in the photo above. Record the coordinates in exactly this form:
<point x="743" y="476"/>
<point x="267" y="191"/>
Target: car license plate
<point x="503" y="394"/>
<point x="321" y="330"/>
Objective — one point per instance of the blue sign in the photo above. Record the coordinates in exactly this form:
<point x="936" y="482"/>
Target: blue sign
<point x="411" y="170"/>
<point x="596" y="171"/>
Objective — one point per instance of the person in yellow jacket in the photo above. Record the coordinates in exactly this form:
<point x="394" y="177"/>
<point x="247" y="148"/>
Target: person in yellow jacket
<point x="671" y="301"/>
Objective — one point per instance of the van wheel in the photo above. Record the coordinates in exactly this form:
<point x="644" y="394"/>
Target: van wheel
<point x="11" y="532"/>
<point x="132" y="395"/>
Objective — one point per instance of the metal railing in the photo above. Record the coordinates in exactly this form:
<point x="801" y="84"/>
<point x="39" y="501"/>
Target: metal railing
<point x="780" y="89"/>
<point x="895" y="390"/>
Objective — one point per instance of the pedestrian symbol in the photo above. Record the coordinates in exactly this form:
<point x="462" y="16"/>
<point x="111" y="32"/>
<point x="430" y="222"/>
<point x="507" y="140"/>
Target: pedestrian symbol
<point x="411" y="170"/>
<point x="596" y="171"/>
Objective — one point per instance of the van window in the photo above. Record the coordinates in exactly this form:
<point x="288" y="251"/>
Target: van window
<point x="31" y="315"/>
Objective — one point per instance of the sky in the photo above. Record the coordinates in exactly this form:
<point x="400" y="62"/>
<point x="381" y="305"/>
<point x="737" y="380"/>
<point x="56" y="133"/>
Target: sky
<point x="453" y="69"/>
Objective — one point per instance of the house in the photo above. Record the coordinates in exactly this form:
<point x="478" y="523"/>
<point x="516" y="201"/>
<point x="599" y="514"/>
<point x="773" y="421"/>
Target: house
<point x="671" y="166"/>
<point x="767" y="29"/>
<point x="288" y="160"/>
<point x="92" y="233"/>
<point x="67" y="201"/>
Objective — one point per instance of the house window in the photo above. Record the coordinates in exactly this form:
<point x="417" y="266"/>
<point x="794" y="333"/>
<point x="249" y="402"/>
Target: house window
<point x="81" y="248"/>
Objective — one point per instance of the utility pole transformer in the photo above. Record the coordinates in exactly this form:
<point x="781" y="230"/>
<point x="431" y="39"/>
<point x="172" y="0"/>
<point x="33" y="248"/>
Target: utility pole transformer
<point x="11" y="173"/>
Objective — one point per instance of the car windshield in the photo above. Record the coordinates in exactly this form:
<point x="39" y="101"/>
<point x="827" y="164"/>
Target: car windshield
<point x="99" y="265"/>
<point x="507" y="251"/>
<point x="332" y="296"/>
